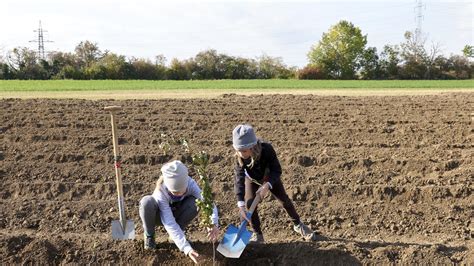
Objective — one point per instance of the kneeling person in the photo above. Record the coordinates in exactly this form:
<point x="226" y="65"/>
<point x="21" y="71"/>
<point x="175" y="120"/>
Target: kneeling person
<point x="173" y="205"/>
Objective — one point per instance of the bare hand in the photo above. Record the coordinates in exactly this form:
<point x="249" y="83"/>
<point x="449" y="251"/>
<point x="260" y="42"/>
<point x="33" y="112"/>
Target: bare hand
<point x="263" y="190"/>
<point x="194" y="256"/>
<point x="213" y="233"/>
<point x="243" y="214"/>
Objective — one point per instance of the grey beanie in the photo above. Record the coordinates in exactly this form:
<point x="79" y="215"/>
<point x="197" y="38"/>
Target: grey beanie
<point x="175" y="176"/>
<point x="243" y="137"/>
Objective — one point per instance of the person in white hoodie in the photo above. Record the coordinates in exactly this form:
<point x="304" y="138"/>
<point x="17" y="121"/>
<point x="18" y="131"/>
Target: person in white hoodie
<point x="173" y="205"/>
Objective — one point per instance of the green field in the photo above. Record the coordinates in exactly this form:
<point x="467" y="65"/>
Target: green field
<point x="144" y="89"/>
<point x="94" y="85"/>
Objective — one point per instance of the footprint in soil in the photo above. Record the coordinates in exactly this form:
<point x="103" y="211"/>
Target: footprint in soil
<point x="306" y="161"/>
<point x="451" y="165"/>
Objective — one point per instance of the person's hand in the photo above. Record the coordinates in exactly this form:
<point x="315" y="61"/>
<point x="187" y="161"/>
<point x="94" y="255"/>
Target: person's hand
<point x="243" y="214"/>
<point x="213" y="233"/>
<point x="194" y="256"/>
<point x="263" y="190"/>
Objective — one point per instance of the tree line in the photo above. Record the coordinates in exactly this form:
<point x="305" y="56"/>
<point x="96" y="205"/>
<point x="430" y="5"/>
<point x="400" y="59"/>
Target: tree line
<point x="342" y="53"/>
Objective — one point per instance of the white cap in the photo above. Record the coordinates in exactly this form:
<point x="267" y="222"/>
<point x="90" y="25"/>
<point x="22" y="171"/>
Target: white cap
<point x="175" y="176"/>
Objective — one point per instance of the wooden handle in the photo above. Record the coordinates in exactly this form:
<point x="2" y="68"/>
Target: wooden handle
<point x="117" y="157"/>
<point x="254" y="205"/>
<point x="117" y="164"/>
<point x="113" y="108"/>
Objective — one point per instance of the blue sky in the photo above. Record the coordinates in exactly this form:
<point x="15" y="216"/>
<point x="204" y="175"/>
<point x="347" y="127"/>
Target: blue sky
<point x="181" y="29"/>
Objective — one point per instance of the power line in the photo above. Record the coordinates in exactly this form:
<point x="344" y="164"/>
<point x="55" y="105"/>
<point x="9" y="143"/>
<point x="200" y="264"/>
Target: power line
<point x="40" y="41"/>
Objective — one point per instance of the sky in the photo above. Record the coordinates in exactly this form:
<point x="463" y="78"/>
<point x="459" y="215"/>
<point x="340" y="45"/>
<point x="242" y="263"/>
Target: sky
<point x="181" y="29"/>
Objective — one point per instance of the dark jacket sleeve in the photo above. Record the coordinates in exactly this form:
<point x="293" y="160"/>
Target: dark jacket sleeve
<point x="273" y="165"/>
<point x="239" y="183"/>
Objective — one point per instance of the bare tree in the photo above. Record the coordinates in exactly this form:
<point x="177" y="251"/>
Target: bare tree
<point x="430" y="59"/>
<point x="21" y="58"/>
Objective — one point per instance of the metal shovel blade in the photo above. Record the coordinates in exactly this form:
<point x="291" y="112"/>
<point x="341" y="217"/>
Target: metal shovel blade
<point x="120" y="233"/>
<point x="234" y="241"/>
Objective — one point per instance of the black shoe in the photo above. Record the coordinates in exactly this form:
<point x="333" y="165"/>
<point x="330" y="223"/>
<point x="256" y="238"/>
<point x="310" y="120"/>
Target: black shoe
<point x="149" y="242"/>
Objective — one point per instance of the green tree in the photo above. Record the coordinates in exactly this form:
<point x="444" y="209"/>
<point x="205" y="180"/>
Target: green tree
<point x="87" y="53"/>
<point x="95" y="71"/>
<point x="180" y="70"/>
<point x="116" y="66"/>
<point x="442" y="66"/>
<point x="6" y="72"/>
<point x="210" y="65"/>
<point x="273" y="67"/>
<point x="160" y="66"/>
<point x="69" y="72"/>
<point x="389" y="62"/>
<point x="460" y="67"/>
<point x="64" y="66"/>
<point x="468" y="51"/>
<point x="414" y="57"/>
<point x="340" y="51"/>
<point x="145" y="69"/>
<point x="370" y="64"/>
<point x="23" y="63"/>
<point x="47" y="70"/>
<point x="243" y="68"/>
<point x="240" y="68"/>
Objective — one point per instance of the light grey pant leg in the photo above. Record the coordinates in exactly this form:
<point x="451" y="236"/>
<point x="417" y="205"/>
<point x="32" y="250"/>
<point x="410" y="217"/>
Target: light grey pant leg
<point x="186" y="212"/>
<point x="149" y="212"/>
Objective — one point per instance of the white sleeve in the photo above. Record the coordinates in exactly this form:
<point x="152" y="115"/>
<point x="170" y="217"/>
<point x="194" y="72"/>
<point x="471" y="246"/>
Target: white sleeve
<point x="173" y="229"/>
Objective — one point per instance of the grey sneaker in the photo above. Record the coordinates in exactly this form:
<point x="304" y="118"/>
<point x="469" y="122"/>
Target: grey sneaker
<point x="304" y="231"/>
<point x="149" y="242"/>
<point x="257" y="238"/>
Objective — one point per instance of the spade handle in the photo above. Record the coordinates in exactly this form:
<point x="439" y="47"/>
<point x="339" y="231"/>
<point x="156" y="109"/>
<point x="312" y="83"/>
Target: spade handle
<point x="117" y="164"/>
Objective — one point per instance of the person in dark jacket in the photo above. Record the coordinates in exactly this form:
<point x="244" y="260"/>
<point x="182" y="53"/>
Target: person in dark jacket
<point x="257" y="170"/>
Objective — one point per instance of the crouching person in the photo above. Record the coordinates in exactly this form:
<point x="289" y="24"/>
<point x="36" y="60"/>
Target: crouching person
<point x="173" y="205"/>
<point x="258" y="170"/>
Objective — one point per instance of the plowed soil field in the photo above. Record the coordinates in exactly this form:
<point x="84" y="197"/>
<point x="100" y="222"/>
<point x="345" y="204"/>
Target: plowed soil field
<point x="382" y="179"/>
